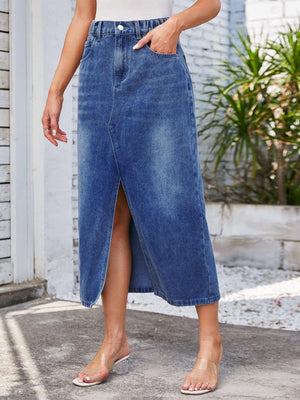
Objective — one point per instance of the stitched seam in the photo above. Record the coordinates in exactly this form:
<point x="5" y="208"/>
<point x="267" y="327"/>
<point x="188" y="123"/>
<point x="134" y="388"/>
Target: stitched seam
<point x="104" y="273"/>
<point x="144" y="248"/>
<point x="89" y="45"/>
<point x="161" y="54"/>
<point x="186" y="302"/>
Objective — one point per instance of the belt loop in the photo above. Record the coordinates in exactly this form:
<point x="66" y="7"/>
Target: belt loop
<point x="137" y="29"/>
<point x="99" y="30"/>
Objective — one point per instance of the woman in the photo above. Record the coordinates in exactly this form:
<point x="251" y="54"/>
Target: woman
<point x="142" y="224"/>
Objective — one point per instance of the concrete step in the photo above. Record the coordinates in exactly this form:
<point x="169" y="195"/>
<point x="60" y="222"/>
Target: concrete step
<point x="15" y="293"/>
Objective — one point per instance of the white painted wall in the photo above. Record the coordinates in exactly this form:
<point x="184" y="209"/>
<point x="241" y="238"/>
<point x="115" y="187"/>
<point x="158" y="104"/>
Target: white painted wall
<point x="58" y="243"/>
<point x="265" y="236"/>
<point x="49" y="168"/>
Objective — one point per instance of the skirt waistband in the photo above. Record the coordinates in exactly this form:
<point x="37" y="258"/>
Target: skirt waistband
<point x="136" y="27"/>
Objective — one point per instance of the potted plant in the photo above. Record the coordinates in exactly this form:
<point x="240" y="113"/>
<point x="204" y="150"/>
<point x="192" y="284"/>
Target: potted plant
<point x="254" y="111"/>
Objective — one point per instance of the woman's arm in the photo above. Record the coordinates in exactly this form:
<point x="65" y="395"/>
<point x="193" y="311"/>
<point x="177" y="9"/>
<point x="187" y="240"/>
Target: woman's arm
<point x="200" y="12"/>
<point x="164" y="37"/>
<point x="76" y="36"/>
<point x="85" y="12"/>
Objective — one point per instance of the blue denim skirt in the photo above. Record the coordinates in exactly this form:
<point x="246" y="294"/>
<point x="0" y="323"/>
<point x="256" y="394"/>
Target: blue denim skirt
<point x="137" y="126"/>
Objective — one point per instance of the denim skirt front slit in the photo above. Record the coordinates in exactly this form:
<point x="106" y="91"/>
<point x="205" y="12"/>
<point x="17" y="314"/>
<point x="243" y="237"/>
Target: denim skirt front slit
<point x="137" y="127"/>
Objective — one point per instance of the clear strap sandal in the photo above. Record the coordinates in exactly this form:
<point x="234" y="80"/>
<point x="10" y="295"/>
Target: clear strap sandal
<point x="119" y="367"/>
<point x="203" y="365"/>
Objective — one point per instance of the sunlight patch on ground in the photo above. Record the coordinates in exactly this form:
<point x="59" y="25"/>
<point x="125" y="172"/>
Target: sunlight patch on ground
<point x="249" y="296"/>
<point x="23" y="357"/>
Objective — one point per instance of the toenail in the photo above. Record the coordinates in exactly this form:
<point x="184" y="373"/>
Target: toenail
<point x="79" y="380"/>
<point x="87" y="378"/>
<point x="186" y="384"/>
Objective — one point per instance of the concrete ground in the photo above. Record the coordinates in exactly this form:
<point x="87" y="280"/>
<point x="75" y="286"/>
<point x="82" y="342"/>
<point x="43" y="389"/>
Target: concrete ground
<point x="44" y="343"/>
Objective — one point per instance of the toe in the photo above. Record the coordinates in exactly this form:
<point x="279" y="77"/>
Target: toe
<point x="80" y="375"/>
<point x="204" y="385"/>
<point x="197" y="386"/>
<point x="186" y="385"/>
<point x="211" y="386"/>
<point x="192" y="387"/>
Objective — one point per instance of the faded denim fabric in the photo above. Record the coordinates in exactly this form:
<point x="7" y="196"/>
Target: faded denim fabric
<point x="136" y="124"/>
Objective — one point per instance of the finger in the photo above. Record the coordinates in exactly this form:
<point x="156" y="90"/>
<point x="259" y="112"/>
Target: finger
<point x="61" y="135"/>
<point x="46" y="122"/>
<point x="143" y="41"/>
<point x="61" y="132"/>
<point x="49" y="136"/>
<point x="56" y="132"/>
<point x="54" y="124"/>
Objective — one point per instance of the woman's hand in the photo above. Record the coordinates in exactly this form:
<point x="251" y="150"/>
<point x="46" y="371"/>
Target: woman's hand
<point x="164" y="38"/>
<point x="51" y="117"/>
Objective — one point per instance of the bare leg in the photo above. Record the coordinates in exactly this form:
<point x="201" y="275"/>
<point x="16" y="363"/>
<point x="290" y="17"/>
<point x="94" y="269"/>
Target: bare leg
<point x="204" y="374"/>
<point x="114" y="297"/>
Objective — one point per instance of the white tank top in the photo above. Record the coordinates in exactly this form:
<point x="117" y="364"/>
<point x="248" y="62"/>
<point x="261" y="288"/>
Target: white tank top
<point x="128" y="10"/>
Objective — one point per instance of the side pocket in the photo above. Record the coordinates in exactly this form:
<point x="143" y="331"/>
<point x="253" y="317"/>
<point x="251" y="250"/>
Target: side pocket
<point x="183" y="60"/>
<point x="88" y="45"/>
<point x="148" y="44"/>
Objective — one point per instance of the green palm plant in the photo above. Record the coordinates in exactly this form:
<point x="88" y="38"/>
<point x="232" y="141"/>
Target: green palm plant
<point x="254" y="110"/>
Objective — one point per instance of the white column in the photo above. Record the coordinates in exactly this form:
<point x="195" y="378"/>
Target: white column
<point x="20" y="152"/>
<point x="42" y="191"/>
<point x="57" y="167"/>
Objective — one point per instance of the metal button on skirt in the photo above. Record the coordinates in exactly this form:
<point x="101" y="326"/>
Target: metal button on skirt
<point x="136" y="126"/>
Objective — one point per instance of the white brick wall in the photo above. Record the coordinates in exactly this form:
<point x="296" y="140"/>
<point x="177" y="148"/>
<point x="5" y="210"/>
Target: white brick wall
<point x="270" y="16"/>
<point x="236" y="20"/>
<point x="204" y="46"/>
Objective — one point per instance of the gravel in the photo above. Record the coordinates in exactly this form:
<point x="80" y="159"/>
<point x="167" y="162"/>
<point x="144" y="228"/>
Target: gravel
<point x="249" y="296"/>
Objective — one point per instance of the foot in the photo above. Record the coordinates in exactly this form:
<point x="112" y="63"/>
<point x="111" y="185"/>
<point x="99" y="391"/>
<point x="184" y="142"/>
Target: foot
<point x="110" y="351"/>
<point x="204" y="374"/>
